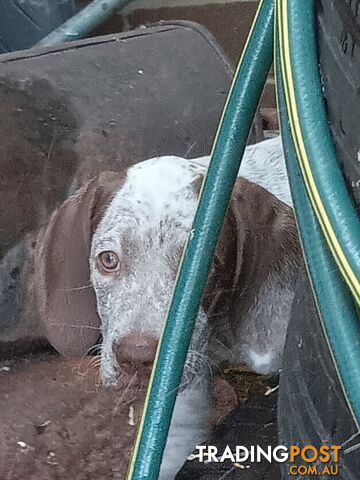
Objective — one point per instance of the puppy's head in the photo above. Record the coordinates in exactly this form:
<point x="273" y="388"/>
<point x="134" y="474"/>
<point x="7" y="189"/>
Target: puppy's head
<point x="109" y="256"/>
<point x="108" y="260"/>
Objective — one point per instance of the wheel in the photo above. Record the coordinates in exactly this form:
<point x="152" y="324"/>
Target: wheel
<point x="312" y="406"/>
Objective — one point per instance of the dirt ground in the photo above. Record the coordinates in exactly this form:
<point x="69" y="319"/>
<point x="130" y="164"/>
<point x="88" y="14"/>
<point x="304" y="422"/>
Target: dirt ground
<point x="57" y="421"/>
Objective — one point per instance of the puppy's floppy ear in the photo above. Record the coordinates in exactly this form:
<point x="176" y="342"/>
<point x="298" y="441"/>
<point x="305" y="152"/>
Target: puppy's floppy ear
<point x="66" y="299"/>
<point x="258" y="239"/>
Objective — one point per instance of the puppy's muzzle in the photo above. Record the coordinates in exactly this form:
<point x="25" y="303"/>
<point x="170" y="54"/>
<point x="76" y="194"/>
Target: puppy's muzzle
<point x="136" y="348"/>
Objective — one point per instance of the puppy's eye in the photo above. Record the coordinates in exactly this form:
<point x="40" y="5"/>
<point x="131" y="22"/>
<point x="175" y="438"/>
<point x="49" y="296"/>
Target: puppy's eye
<point x="108" y="261"/>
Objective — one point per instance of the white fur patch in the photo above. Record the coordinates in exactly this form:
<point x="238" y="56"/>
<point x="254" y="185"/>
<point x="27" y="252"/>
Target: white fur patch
<point x="264" y="164"/>
<point x="260" y="361"/>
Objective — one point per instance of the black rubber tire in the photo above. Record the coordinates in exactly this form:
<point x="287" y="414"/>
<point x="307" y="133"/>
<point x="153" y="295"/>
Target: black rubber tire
<point x="25" y="22"/>
<point x="312" y="407"/>
<point x="251" y="423"/>
<point x="339" y="52"/>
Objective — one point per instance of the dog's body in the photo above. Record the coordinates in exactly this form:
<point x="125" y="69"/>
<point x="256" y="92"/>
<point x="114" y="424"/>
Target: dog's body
<point x="108" y="258"/>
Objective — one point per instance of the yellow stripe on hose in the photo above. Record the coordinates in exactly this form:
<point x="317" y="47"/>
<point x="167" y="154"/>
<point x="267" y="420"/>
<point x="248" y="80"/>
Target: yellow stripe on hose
<point x="316" y="201"/>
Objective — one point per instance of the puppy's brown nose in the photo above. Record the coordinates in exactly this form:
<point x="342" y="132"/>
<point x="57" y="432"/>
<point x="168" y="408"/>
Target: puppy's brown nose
<point x="136" y="348"/>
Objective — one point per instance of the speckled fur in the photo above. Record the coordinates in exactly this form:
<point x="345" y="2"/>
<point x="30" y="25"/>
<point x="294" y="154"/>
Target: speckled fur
<point x="147" y="224"/>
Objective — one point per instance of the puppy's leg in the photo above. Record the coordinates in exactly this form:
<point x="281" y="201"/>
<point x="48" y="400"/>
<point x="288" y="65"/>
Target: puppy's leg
<point x="189" y="426"/>
<point x="190" y="422"/>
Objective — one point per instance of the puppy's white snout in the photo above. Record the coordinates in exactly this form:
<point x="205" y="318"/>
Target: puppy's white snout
<point x="136" y="348"/>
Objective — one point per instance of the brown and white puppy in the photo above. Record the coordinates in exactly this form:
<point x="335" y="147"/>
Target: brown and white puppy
<point x="108" y="258"/>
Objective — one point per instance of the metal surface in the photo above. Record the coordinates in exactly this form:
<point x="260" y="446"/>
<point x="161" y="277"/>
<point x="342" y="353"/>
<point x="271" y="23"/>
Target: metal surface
<point x="101" y="104"/>
<point x="227" y="152"/>
<point x="84" y="22"/>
